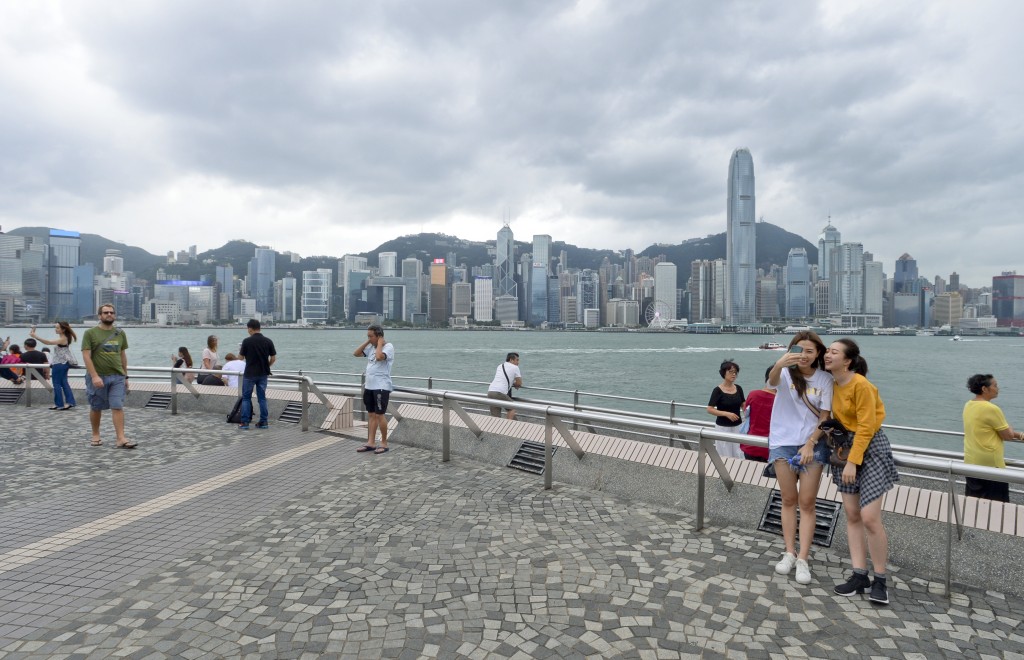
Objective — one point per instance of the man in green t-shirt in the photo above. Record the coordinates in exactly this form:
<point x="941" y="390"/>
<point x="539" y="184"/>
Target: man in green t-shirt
<point x="106" y="361"/>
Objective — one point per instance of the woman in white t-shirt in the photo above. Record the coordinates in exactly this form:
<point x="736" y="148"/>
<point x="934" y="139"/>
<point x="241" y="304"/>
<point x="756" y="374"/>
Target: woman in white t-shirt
<point x="210" y="353"/>
<point x="796" y="446"/>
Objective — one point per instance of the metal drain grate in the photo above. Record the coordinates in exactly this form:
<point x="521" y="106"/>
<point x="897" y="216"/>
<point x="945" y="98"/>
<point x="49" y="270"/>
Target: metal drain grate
<point x="827" y="514"/>
<point x="10" y="395"/>
<point x="292" y="413"/>
<point x="530" y="457"/>
<point x="159" y="401"/>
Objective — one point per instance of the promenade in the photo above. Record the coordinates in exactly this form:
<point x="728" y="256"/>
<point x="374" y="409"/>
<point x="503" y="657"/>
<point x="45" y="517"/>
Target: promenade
<point x="207" y="541"/>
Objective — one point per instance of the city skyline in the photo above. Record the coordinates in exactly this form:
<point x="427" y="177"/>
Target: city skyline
<point x="297" y="126"/>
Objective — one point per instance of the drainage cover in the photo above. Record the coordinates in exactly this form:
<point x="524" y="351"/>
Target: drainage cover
<point x="827" y="514"/>
<point x="10" y="395"/>
<point x="530" y="457"/>
<point x="159" y="400"/>
<point x="292" y="413"/>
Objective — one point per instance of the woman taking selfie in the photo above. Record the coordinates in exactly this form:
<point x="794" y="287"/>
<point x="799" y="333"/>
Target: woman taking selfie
<point x="870" y="470"/>
<point x="63" y="360"/>
<point x="797" y="448"/>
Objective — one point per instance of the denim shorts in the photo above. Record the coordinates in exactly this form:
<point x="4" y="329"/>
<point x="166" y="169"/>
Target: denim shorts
<point x="110" y="396"/>
<point x="821" y="452"/>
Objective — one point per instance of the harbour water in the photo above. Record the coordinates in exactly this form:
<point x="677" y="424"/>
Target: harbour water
<point x="922" y="380"/>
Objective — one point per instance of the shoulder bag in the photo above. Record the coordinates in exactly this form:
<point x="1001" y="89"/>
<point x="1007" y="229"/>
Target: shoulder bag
<point x="840" y="441"/>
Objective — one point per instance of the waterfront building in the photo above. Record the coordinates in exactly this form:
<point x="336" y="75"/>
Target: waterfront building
<point x="874" y="280"/>
<point x="828" y="241"/>
<point x="568" y="310"/>
<point x="84" y="296"/>
<point x="63" y="257"/>
<point x="387" y="264"/>
<point x="554" y="300"/>
<point x="905" y="277"/>
<point x="113" y="262"/>
<point x="1008" y="299"/>
<point x="623" y="313"/>
<point x="591" y="318"/>
<point x="906" y="309"/>
<point x="286" y="299"/>
<point x="175" y="291"/>
<point x="356" y="296"/>
<point x="849" y="279"/>
<point x="202" y="302"/>
<point x="316" y="295"/>
<point x="385" y="296"/>
<point x="483" y="299"/>
<point x="537" y="303"/>
<point x="412" y="270"/>
<point x="262" y="275"/>
<point x="462" y="299"/>
<point x="707" y="289"/>
<point x="505" y="264"/>
<point x="347" y="264"/>
<point x="665" y="275"/>
<point x="741" y="239"/>
<point x="224" y="276"/>
<point x="767" y="298"/>
<point x="506" y="308"/>
<point x="588" y="296"/>
<point x="798" y="274"/>
<point x="439" y="292"/>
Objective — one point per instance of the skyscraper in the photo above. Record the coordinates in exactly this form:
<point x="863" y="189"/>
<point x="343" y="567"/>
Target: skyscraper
<point x="262" y="274"/>
<point x="316" y="295"/>
<point x="828" y="241"/>
<point x="439" y="292"/>
<point x="904" y="280"/>
<point x="505" y="264"/>
<point x="347" y="264"/>
<point x="798" y="274"/>
<point x="387" y="264"/>
<point x="665" y="288"/>
<point x="538" y="300"/>
<point x="741" y="239"/>
<point x="62" y="261"/>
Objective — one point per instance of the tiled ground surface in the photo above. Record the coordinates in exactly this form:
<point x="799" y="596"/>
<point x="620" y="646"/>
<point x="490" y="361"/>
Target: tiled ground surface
<point x="341" y="554"/>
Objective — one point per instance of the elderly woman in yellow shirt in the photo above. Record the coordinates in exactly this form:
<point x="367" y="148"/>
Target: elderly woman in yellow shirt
<point x="985" y="430"/>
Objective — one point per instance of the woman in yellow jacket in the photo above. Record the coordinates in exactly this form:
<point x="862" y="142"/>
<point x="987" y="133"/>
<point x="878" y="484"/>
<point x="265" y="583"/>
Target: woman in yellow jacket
<point x="869" y="472"/>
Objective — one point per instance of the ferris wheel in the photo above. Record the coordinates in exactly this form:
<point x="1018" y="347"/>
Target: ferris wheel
<point x="657" y="315"/>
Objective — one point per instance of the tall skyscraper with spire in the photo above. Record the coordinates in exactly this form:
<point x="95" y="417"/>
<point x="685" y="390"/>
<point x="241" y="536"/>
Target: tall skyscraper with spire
<point x="828" y="242"/>
<point x="505" y="264"/>
<point x="741" y="240"/>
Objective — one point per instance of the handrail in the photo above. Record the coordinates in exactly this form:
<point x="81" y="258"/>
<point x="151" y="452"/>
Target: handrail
<point x="553" y="415"/>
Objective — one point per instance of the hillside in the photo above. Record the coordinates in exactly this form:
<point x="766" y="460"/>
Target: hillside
<point x="773" y="245"/>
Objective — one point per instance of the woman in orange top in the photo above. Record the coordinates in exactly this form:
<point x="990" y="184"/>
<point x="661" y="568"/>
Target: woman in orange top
<point x="869" y="472"/>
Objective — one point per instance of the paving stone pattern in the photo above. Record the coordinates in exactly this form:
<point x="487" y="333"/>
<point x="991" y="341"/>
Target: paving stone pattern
<point x="403" y="556"/>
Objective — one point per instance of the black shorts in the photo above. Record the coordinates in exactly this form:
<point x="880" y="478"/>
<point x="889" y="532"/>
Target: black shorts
<point x="988" y="490"/>
<point x="376" y="401"/>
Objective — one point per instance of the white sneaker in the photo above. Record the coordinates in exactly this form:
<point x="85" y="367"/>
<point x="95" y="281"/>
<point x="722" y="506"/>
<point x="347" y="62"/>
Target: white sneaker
<point x="803" y="572"/>
<point x="785" y="564"/>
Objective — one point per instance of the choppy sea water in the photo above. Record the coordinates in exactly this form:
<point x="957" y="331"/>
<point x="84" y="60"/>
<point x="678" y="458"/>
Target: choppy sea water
<point x="922" y="380"/>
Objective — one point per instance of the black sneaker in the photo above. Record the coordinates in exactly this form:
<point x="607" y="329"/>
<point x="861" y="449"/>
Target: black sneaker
<point x="879" y="594"/>
<point x="855" y="585"/>
<point x="263" y="425"/>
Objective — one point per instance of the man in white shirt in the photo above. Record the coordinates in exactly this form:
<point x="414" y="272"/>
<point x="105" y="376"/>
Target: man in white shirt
<point x="506" y="377"/>
<point x="235" y="364"/>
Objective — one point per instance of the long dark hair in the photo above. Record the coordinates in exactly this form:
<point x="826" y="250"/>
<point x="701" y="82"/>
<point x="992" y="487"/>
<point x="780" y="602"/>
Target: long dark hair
<point x="65" y="329"/>
<point x="799" y="382"/>
<point x="851" y="351"/>
<point x="185" y="356"/>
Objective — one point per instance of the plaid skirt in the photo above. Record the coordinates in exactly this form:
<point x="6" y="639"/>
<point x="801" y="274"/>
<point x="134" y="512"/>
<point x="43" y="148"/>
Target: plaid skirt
<point x="877" y="473"/>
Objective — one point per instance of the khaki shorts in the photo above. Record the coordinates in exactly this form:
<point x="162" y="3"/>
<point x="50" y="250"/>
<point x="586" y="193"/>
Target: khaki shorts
<point x="496" y="410"/>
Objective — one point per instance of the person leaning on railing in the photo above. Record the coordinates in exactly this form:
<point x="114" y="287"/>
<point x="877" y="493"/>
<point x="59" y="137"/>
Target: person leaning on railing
<point x="985" y="430"/>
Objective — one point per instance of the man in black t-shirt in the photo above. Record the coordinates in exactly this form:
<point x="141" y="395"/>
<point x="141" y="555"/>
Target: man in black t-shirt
<point x="34" y="356"/>
<point x="259" y="354"/>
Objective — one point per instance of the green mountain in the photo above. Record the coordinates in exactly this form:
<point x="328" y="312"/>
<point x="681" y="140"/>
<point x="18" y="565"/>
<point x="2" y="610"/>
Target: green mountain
<point x="94" y="248"/>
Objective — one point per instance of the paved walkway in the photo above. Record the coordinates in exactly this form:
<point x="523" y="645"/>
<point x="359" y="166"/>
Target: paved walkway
<point x="207" y="541"/>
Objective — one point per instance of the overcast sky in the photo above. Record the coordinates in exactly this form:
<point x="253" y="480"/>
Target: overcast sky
<point x="331" y="127"/>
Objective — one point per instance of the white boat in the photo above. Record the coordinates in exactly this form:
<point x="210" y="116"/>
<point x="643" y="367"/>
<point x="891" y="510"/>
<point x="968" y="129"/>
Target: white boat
<point x="955" y="338"/>
<point x="772" y="346"/>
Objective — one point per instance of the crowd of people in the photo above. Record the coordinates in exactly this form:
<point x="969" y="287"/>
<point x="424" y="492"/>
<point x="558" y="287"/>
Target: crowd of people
<point x="804" y="390"/>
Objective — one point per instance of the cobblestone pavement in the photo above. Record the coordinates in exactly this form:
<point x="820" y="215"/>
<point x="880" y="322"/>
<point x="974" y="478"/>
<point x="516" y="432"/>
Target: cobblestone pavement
<point x="325" y="552"/>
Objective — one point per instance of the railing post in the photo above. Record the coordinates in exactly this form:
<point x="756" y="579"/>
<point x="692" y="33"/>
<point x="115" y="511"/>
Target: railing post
<point x="701" y="473"/>
<point x="28" y="371"/>
<point x="174" y="393"/>
<point x="576" y="408"/>
<point x="671" y="416"/>
<point x="430" y="386"/>
<point x="949" y="530"/>
<point x="446" y="431"/>
<point x="548" y="467"/>
<point x="304" y="388"/>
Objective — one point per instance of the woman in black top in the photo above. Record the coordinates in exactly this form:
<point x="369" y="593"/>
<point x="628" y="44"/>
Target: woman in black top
<point x="725" y="404"/>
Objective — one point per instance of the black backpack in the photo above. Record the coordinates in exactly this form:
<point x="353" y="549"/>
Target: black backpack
<point x="235" y="416"/>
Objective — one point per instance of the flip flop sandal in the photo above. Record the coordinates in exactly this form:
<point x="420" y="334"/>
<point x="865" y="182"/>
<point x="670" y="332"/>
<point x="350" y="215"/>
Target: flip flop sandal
<point x="96" y="444"/>
<point x="127" y="445"/>
<point x="380" y="450"/>
<point x="367" y="448"/>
